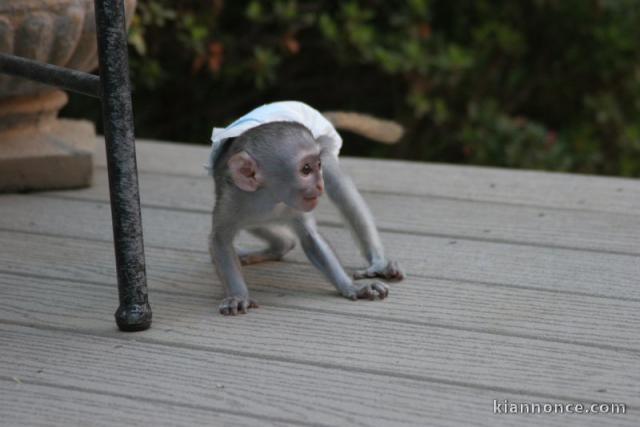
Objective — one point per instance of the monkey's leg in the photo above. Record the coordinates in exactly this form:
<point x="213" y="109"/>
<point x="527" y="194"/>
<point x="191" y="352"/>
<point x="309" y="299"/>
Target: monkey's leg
<point x="322" y="256"/>
<point x="279" y="240"/>
<point x="228" y="268"/>
<point x="346" y="196"/>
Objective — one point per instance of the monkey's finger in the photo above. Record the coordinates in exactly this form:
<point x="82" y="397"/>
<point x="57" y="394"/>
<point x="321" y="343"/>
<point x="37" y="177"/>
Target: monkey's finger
<point x="386" y="290"/>
<point x="395" y="272"/>
<point x="382" y="289"/>
<point x="243" y="306"/>
<point x="352" y="294"/>
<point x="378" y="289"/>
<point x="253" y="304"/>
<point x="366" y="292"/>
<point x="234" y="307"/>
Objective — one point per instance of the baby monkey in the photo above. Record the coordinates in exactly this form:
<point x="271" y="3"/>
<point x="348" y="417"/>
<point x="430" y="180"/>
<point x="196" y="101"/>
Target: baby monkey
<point x="268" y="181"/>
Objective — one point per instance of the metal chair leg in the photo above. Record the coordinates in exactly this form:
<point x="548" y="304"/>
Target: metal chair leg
<point x="134" y="312"/>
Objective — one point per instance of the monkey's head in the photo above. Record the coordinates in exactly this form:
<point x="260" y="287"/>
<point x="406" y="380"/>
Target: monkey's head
<point x="281" y="158"/>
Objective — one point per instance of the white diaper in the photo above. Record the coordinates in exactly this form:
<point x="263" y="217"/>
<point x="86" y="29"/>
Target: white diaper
<point x="284" y="111"/>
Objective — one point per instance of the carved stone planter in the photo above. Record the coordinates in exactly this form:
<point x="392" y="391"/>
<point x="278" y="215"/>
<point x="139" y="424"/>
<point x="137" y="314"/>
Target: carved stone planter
<point x="37" y="150"/>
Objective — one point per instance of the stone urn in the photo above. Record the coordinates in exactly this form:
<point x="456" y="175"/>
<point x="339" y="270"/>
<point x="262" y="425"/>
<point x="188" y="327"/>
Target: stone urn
<point x="38" y="151"/>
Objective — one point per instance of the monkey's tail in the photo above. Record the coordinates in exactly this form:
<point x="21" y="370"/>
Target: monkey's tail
<point x="385" y="131"/>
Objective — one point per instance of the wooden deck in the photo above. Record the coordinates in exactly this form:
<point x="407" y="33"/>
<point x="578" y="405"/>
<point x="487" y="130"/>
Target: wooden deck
<point x="521" y="286"/>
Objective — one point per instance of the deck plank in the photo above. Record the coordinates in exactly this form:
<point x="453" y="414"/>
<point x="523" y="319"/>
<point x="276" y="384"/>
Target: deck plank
<point x="566" y="270"/>
<point x="58" y="374"/>
<point x="522" y="285"/>
<point x="607" y="232"/>
<point x="377" y="346"/>
<point x="51" y="404"/>
<point x="468" y="305"/>
<point x="498" y="185"/>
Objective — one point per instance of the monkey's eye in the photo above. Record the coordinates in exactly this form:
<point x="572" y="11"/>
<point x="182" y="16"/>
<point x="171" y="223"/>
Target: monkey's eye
<point x="306" y="169"/>
<point x="319" y="164"/>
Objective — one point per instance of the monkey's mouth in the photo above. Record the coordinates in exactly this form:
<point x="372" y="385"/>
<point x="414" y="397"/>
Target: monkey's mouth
<point x="311" y="202"/>
<point x="313" y="199"/>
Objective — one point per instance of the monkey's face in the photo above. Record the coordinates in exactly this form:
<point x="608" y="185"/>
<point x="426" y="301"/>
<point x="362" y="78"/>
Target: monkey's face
<point x="283" y="163"/>
<point x="305" y="184"/>
<point x="312" y="183"/>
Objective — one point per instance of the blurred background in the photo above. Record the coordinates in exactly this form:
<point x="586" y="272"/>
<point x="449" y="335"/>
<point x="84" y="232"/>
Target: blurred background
<point x="537" y="84"/>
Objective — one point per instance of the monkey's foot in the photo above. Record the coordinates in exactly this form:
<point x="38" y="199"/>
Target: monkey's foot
<point x="389" y="271"/>
<point x="369" y="291"/>
<point x="231" y="306"/>
<point x="254" y="257"/>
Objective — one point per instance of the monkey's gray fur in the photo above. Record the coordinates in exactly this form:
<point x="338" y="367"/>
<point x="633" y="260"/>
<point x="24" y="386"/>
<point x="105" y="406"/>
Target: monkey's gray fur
<point x="267" y="182"/>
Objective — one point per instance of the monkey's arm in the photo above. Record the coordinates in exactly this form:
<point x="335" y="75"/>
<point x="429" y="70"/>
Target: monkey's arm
<point x="227" y="265"/>
<point x="322" y="256"/>
<point x="345" y="195"/>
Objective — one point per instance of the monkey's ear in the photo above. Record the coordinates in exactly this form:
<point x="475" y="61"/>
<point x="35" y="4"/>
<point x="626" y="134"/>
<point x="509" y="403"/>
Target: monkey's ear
<point x="244" y="171"/>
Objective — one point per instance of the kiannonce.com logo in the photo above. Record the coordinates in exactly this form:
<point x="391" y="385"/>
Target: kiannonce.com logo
<point x="506" y="407"/>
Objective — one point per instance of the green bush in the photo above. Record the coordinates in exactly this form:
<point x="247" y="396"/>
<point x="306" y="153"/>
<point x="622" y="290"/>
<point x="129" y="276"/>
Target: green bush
<point x="544" y="84"/>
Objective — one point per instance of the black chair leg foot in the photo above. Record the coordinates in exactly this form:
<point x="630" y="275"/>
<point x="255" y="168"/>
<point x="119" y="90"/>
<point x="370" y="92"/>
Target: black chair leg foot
<point x="133" y="317"/>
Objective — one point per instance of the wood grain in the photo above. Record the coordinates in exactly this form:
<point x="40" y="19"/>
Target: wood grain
<point x="72" y="379"/>
<point x="521" y="285"/>
<point x="498" y="185"/>
<point x="454" y="304"/>
<point x="55" y="404"/>
<point x="597" y="231"/>
<point x="379" y="347"/>
<point x="518" y="265"/>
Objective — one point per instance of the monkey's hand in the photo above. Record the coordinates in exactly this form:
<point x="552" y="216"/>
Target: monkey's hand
<point x="231" y="306"/>
<point x="369" y="291"/>
<point x="388" y="270"/>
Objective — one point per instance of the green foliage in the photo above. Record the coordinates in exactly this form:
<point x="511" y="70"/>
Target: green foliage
<point x="551" y="84"/>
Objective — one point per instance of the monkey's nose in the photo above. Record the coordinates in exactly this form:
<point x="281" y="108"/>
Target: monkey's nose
<point x="320" y="188"/>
